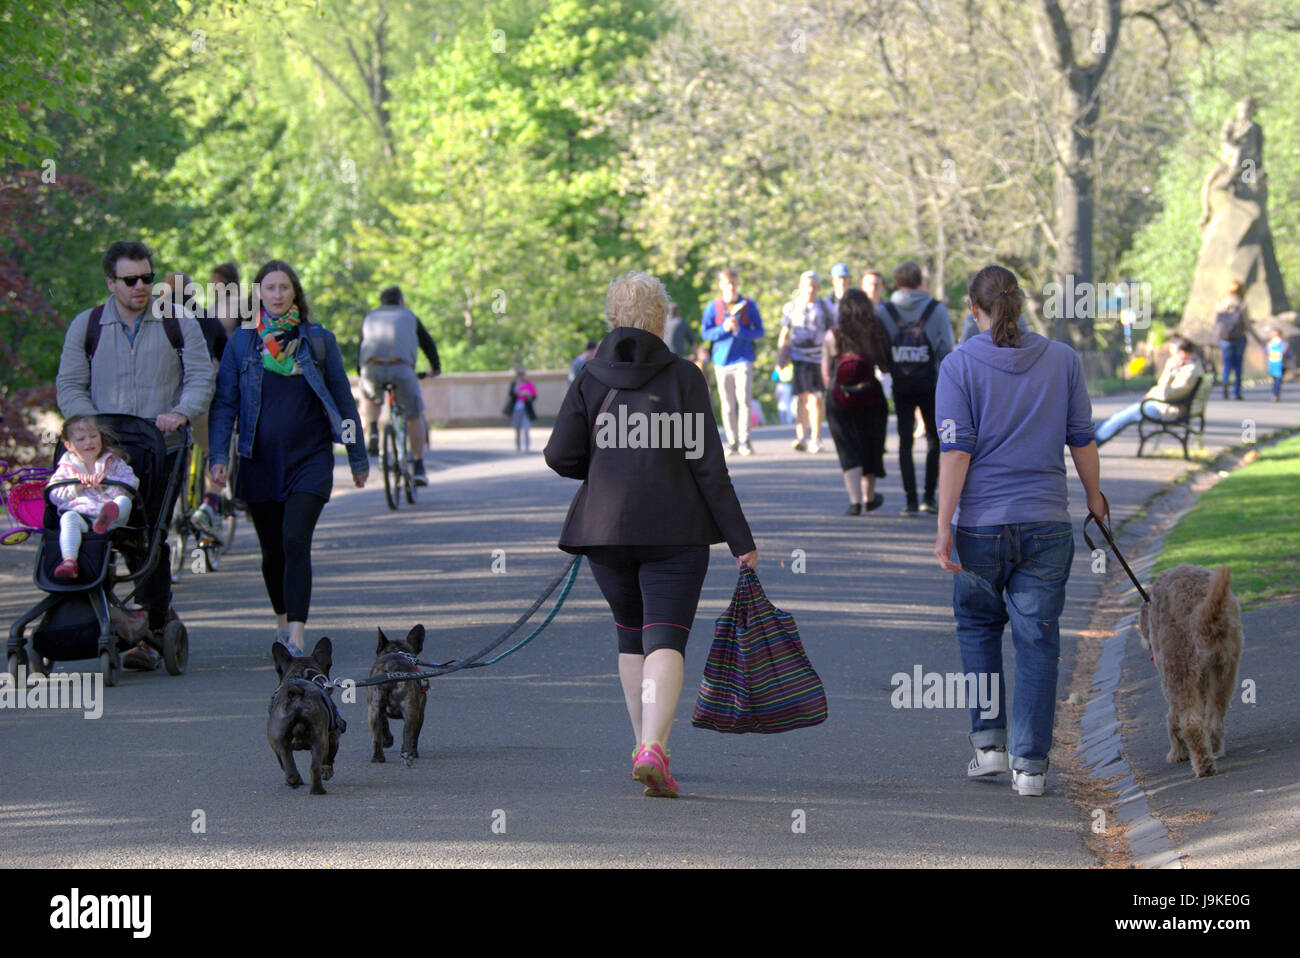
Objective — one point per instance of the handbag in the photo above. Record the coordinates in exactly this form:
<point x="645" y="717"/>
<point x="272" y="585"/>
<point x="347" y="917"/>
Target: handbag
<point x="757" y="678"/>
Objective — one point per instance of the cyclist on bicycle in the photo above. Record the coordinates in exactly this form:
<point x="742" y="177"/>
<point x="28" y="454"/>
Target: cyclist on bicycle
<point x="179" y="292"/>
<point x="386" y="356"/>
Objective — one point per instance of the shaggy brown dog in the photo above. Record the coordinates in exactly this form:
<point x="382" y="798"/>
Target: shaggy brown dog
<point x="1192" y="625"/>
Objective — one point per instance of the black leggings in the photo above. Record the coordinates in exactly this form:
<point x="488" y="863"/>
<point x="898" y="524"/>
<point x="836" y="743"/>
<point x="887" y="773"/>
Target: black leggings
<point x="284" y="529"/>
<point x="906" y="404"/>
<point x="653" y="592"/>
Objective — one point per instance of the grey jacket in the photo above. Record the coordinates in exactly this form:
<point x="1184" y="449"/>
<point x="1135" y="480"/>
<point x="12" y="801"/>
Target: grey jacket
<point x="910" y="303"/>
<point x="143" y="379"/>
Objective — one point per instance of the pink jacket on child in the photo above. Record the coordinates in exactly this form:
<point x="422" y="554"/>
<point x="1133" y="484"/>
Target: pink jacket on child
<point x="87" y="499"/>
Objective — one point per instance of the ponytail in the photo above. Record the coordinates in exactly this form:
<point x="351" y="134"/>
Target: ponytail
<point x="995" y="291"/>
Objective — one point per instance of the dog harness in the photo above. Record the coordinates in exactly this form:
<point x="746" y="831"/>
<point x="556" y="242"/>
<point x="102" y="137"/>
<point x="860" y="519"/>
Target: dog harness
<point x="337" y="725"/>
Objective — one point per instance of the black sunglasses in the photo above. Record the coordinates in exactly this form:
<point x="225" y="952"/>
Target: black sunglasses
<point x="133" y="280"/>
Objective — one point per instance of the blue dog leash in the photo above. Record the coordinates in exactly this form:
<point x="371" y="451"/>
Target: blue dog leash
<point x="568" y="575"/>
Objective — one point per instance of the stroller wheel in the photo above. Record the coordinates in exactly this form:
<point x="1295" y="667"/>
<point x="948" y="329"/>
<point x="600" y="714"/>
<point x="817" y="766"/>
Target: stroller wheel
<point x="176" y="647"/>
<point x="108" y="668"/>
<point x="16" y="661"/>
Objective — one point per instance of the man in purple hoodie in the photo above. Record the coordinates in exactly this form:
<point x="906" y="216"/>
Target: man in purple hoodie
<point x="1007" y="404"/>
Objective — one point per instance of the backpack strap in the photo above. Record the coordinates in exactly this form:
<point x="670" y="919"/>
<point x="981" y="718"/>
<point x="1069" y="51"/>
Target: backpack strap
<point x="171" y="326"/>
<point x="315" y="342"/>
<point x="897" y="317"/>
<point x="91" y="342"/>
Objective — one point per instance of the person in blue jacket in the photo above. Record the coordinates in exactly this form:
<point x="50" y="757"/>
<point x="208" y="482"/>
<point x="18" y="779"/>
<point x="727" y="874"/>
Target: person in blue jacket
<point x="732" y="323"/>
<point x="284" y="386"/>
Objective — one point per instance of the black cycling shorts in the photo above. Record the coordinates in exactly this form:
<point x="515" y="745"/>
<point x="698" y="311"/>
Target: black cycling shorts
<point x="653" y="592"/>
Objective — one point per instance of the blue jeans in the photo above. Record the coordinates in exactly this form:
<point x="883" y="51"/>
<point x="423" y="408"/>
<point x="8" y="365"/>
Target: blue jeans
<point x="1125" y="417"/>
<point x="1013" y="573"/>
<point x="1234" y="351"/>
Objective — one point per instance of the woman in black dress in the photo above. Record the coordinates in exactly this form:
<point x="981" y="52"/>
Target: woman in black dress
<point x="284" y="384"/>
<point x="856" y="410"/>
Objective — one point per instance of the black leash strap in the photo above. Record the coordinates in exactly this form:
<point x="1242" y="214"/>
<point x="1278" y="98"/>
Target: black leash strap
<point x="1114" y="548"/>
<point x="474" y="661"/>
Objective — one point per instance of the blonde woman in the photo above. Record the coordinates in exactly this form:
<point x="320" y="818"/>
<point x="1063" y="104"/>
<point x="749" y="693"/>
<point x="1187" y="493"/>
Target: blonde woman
<point x="638" y="429"/>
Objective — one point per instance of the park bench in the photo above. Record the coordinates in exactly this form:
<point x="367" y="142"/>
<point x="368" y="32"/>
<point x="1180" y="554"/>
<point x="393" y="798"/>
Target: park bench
<point x="1189" y="422"/>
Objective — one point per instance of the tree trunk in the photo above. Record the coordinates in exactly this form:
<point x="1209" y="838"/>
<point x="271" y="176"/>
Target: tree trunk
<point x="1075" y="109"/>
<point x="1073" y="172"/>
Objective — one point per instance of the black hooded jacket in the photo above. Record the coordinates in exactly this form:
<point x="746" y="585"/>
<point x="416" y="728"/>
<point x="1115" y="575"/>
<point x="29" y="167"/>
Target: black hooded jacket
<point x="632" y="493"/>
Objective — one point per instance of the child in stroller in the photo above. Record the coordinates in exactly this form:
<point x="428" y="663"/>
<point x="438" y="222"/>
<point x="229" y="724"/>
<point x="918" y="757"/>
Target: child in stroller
<point x="92" y="456"/>
<point x="82" y="617"/>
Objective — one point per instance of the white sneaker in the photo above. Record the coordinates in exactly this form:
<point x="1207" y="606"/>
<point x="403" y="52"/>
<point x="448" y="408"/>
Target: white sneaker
<point x="1027" y="783"/>
<point x="988" y="761"/>
<point x="815" y="448"/>
<point x="204" y="519"/>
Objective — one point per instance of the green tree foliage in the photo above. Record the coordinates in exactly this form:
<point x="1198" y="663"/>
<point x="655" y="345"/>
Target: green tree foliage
<point x="511" y="218"/>
<point x="49" y="51"/>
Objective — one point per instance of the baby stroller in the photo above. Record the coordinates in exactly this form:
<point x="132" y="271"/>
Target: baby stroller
<point x="74" y="616"/>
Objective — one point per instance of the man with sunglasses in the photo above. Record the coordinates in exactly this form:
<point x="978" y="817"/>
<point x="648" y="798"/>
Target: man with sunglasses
<point x="133" y="366"/>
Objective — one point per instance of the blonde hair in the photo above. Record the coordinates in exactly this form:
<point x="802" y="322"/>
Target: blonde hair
<point x="638" y="300"/>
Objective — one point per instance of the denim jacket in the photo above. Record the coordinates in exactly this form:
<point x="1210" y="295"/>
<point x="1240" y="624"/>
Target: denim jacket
<point x="238" y="396"/>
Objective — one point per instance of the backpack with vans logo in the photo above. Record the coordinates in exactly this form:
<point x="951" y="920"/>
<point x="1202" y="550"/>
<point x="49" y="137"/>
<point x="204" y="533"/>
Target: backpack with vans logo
<point x="915" y="363"/>
<point x="854" y="387"/>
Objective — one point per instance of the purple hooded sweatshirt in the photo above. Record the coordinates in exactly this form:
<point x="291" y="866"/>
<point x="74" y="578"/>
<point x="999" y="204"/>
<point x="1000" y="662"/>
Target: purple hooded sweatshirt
<point x="1014" y="409"/>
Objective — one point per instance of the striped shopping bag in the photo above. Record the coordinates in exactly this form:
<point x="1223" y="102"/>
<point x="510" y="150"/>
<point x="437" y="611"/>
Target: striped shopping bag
<point x="757" y="678"/>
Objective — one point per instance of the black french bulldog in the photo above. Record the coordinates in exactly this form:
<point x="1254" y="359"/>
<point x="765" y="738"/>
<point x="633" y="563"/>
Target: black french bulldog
<point x="303" y="715"/>
<point x="404" y="700"/>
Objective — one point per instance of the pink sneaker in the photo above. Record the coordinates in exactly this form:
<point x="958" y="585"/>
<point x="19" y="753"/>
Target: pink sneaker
<point x="67" y="569"/>
<point x="651" y="768"/>
<point x="107" y="516"/>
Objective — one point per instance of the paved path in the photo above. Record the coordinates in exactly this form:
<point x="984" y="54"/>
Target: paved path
<point x="543" y="737"/>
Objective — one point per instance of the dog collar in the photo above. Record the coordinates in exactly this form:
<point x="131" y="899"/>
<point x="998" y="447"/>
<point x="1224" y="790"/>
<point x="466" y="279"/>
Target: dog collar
<point x="415" y="667"/>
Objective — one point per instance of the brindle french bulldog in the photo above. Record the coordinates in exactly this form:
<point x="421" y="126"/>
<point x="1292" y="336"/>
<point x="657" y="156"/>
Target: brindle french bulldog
<point x="404" y="700"/>
<point x="303" y="715"/>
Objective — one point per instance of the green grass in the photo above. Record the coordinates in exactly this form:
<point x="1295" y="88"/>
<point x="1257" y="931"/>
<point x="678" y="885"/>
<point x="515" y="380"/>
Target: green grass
<point x="1251" y="522"/>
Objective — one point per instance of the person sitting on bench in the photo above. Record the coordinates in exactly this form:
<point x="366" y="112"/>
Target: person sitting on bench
<point x="1168" y="397"/>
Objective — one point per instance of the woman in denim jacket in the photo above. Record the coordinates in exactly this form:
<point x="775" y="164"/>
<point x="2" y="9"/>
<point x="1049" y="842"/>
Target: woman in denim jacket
<point x="283" y="384"/>
<point x="1007" y="405"/>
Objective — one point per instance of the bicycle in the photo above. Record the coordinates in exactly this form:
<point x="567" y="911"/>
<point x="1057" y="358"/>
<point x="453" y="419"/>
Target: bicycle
<point x="398" y="463"/>
<point x="208" y="548"/>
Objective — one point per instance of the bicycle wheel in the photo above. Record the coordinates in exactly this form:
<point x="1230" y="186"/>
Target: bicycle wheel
<point x="179" y="526"/>
<point x="229" y="517"/>
<point x="391" y="467"/>
<point x="408" y="469"/>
